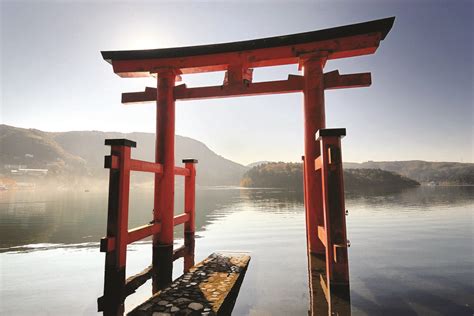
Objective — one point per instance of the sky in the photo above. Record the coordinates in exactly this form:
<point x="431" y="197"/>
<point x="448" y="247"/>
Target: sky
<point x="420" y="104"/>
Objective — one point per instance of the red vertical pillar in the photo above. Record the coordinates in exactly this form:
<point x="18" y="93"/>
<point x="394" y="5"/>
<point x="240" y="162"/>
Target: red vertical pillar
<point x="304" y="198"/>
<point x="314" y="119"/>
<point x="190" y="209"/>
<point x="117" y="226"/>
<point x="164" y="183"/>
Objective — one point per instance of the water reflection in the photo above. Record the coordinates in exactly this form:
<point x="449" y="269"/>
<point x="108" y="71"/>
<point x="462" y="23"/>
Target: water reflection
<point x="28" y="218"/>
<point x="411" y="250"/>
<point x="273" y="196"/>
<point x="50" y="217"/>
<point x="335" y="300"/>
<point x="420" y="298"/>
<point x="432" y="196"/>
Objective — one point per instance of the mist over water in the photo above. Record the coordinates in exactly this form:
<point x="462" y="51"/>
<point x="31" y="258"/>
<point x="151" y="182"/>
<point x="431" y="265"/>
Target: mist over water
<point x="411" y="251"/>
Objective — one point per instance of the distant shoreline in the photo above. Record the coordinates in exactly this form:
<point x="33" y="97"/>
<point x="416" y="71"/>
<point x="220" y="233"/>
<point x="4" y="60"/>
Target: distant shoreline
<point x="76" y="158"/>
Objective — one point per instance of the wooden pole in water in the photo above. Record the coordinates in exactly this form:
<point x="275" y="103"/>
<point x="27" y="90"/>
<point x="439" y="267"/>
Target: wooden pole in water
<point x="164" y="183"/>
<point x="333" y="233"/>
<point x="117" y="228"/>
<point x="305" y="203"/>
<point x="190" y="209"/>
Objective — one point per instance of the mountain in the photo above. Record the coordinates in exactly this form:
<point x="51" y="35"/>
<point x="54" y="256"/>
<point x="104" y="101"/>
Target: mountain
<point x="290" y="176"/>
<point x="70" y="156"/>
<point x="449" y="173"/>
<point x="34" y="149"/>
<point x="73" y="154"/>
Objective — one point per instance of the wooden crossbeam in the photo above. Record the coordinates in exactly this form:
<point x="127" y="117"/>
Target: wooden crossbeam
<point x="108" y="244"/>
<point x="145" y="166"/>
<point x="179" y="252"/>
<point x="142" y="232"/>
<point x="333" y="80"/>
<point x="135" y="281"/>
<point x="181" y="219"/>
<point x="149" y="95"/>
<point x="292" y="84"/>
<point x="318" y="163"/>
<point x="322" y="235"/>
<point x="180" y="171"/>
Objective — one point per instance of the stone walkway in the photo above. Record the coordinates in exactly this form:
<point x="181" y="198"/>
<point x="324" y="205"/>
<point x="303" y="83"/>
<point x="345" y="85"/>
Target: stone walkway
<point x="209" y="288"/>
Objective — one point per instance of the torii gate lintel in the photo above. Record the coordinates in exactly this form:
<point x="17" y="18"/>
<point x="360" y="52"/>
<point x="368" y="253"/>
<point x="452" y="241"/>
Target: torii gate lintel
<point x="294" y="83"/>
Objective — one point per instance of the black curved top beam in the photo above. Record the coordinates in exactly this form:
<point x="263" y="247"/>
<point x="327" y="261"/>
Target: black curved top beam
<point x="381" y="26"/>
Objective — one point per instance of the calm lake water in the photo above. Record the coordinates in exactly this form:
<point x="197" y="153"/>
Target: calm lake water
<point x="411" y="252"/>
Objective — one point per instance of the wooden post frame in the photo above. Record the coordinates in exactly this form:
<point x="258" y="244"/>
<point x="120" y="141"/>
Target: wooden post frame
<point x="332" y="232"/>
<point x="116" y="287"/>
<point x="117" y="228"/>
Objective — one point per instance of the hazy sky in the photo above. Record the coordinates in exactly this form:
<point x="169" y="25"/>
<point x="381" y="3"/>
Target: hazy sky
<point x="420" y="105"/>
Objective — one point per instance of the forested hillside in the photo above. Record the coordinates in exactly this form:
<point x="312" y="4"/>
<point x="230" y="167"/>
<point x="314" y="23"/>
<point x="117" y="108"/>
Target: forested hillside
<point x="444" y="173"/>
<point x="290" y="176"/>
<point x="71" y="155"/>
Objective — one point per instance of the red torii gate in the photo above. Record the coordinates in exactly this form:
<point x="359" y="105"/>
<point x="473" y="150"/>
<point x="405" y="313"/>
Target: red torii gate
<point x="311" y="51"/>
